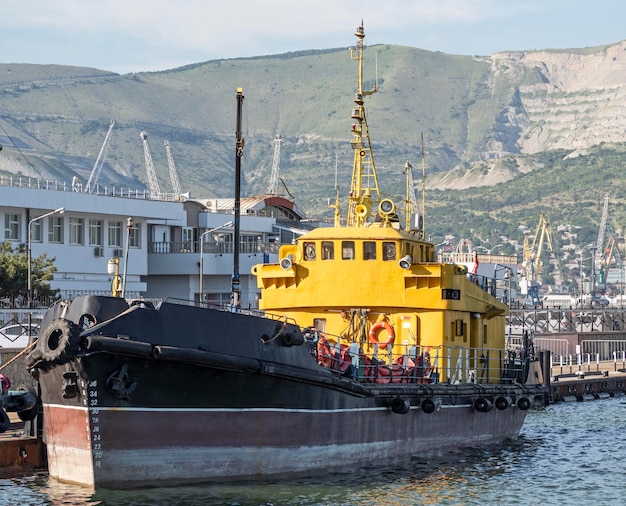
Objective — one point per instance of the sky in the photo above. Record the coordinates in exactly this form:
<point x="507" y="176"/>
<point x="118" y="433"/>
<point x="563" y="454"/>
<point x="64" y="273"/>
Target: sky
<point x="127" y="36"/>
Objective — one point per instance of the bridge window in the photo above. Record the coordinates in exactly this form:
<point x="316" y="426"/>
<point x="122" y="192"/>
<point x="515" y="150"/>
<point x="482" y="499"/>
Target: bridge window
<point x="369" y="250"/>
<point x="328" y="250"/>
<point x="347" y="250"/>
<point x="389" y="250"/>
<point x="309" y="251"/>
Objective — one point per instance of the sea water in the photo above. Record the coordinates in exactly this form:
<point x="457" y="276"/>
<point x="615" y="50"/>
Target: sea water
<point x="568" y="453"/>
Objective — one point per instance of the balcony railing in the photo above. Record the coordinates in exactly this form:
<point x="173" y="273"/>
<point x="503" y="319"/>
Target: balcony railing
<point x="245" y="248"/>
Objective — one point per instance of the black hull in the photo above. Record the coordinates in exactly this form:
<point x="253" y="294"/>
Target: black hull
<point x="117" y="416"/>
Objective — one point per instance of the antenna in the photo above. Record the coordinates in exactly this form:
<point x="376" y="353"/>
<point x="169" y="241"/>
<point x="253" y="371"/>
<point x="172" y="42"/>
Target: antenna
<point x="376" y="59"/>
<point x="335" y="206"/>
<point x="423" y="191"/>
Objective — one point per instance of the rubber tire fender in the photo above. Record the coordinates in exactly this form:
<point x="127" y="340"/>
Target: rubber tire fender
<point x="59" y="342"/>
<point x="5" y="423"/>
<point x="30" y="413"/>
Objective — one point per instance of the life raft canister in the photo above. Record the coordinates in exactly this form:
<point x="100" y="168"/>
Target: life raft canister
<point x="373" y="335"/>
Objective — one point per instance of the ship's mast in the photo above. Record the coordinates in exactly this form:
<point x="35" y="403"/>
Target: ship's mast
<point x="364" y="179"/>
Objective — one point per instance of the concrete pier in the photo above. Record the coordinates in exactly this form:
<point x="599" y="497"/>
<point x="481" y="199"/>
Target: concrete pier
<point x="576" y="383"/>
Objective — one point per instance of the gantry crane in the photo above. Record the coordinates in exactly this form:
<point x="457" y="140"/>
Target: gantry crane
<point x="153" y="182"/>
<point x="173" y="173"/>
<point x="95" y="172"/>
<point x="532" y="261"/>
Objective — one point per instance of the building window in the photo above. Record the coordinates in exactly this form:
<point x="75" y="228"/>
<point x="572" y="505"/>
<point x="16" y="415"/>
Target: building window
<point x="134" y="236"/>
<point x="115" y="234"/>
<point x="12" y="227"/>
<point x="369" y="250"/>
<point x="95" y="233"/>
<point x="55" y="229"/>
<point x="77" y="229"/>
<point x="35" y="231"/>
<point x="248" y="243"/>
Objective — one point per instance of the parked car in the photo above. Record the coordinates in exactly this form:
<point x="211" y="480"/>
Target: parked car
<point x="599" y="302"/>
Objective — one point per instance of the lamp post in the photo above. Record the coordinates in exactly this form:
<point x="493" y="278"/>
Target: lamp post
<point x="29" y="291"/>
<point x="507" y="277"/>
<point x="227" y="224"/>
<point x="582" y="264"/>
<point x="129" y="227"/>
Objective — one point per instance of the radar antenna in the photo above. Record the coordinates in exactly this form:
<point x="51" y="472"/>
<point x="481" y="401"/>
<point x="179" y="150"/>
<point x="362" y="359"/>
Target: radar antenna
<point x="364" y="179"/>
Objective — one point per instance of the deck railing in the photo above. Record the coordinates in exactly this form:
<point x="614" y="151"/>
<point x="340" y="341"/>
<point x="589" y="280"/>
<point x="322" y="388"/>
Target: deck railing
<point x="108" y="190"/>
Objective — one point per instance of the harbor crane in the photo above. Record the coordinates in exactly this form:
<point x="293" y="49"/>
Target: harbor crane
<point x="530" y="282"/>
<point x="153" y="182"/>
<point x="95" y="172"/>
<point x="173" y="173"/>
<point x="274" y="177"/>
<point x="610" y="253"/>
<point x="601" y="232"/>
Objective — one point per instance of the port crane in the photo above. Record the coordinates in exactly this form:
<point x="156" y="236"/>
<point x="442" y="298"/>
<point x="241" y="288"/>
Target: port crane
<point x="275" y="176"/>
<point x="610" y="253"/>
<point x="532" y="263"/>
<point x="601" y="232"/>
<point x="95" y="172"/>
<point x="153" y="182"/>
<point x="173" y="173"/>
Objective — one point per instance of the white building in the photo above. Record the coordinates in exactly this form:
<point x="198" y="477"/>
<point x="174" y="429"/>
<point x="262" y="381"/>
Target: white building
<point x="162" y="243"/>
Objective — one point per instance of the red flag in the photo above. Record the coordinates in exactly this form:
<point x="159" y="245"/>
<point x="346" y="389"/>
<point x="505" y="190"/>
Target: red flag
<point x="475" y="268"/>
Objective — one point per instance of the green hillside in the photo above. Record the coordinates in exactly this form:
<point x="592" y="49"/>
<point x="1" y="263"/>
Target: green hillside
<point x="472" y="113"/>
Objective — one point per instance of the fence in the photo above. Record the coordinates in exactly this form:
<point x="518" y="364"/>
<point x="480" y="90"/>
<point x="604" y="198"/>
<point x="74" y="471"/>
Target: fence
<point x="566" y="320"/>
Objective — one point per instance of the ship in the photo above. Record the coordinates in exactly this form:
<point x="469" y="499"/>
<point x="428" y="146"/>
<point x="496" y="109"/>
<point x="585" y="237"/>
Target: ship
<point x="364" y="349"/>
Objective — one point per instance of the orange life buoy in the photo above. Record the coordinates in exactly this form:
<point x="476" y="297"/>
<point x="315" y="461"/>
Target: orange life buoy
<point x="373" y="336"/>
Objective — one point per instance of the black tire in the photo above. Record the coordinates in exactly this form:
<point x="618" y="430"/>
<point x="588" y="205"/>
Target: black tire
<point x="400" y="406"/>
<point x="29" y="414"/>
<point x="502" y="403"/>
<point x="482" y="405"/>
<point x="5" y="423"/>
<point x="428" y="406"/>
<point x="59" y="342"/>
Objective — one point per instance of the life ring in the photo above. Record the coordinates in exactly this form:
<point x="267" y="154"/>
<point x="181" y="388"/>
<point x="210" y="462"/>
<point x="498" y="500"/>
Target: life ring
<point x="59" y="342"/>
<point x="373" y="335"/>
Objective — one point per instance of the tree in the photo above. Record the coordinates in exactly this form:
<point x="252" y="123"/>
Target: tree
<point x="14" y="272"/>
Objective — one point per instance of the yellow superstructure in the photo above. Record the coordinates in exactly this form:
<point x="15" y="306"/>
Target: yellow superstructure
<point x="373" y="283"/>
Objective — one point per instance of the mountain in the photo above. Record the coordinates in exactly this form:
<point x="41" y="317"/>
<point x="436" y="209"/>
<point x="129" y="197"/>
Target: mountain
<point x="505" y="136"/>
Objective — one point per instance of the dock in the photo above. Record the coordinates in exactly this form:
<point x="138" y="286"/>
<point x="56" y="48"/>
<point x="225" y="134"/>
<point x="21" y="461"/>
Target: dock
<point x="21" y="452"/>
<point x="587" y="381"/>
